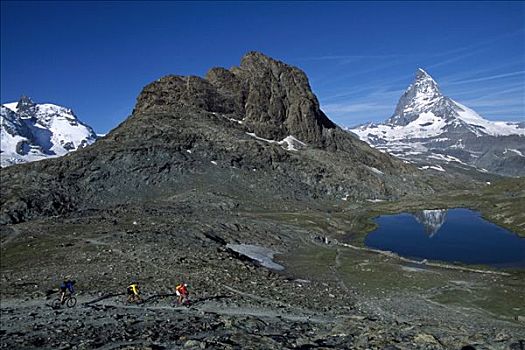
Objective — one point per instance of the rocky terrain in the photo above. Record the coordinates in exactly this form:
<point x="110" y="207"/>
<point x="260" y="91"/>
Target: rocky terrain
<point x="35" y="131"/>
<point x="241" y="157"/>
<point x="328" y="296"/>
<point x="433" y="130"/>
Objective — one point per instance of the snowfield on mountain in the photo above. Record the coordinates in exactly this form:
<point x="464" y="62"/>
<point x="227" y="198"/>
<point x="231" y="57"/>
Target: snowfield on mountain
<point x="32" y="132"/>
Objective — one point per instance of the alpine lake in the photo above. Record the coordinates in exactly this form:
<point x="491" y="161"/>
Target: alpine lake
<point x="453" y="236"/>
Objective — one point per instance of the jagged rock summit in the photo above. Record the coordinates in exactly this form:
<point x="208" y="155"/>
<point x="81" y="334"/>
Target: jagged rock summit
<point x="32" y="131"/>
<point x="428" y="127"/>
<point x="420" y="95"/>
<point x="253" y="134"/>
<point x="271" y="98"/>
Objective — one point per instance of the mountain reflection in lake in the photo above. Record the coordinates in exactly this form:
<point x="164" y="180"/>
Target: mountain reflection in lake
<point x="456" y="235"/>
<point x="432" y="220"/>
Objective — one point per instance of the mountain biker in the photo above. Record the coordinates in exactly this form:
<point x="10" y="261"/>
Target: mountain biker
<point x="182" y="293"/>
<point x="133" y="292"/>
<point x="67" y="285"/>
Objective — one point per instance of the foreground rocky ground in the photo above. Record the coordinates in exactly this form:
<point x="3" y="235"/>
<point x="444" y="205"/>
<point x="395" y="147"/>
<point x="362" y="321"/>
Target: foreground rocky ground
<point x="328" y="296"/>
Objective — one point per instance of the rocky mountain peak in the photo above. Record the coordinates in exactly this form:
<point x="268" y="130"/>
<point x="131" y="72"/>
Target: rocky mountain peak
<point x="424" y="83"/>
<point x="274" y="100"/>
<point x="25" y="106"/>
<point x="418" y="98"/>
<point x="422" y="74"/>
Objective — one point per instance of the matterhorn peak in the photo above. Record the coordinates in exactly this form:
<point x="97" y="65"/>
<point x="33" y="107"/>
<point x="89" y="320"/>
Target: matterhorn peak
<point x="423" y="85"/>
<point x="430" y="128"/>
<point x="418" y="97"/>
<point x="422" y="74"/>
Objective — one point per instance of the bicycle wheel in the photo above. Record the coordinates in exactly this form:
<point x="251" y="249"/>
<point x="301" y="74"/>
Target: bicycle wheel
<point x="56" y="303"/>
<point x="71" y="302"/>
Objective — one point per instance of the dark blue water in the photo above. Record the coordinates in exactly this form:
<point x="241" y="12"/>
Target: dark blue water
<point x="455" y="235"/>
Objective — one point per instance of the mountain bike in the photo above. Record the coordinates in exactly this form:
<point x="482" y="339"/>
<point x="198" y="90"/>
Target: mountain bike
<point x="185" y="302"/>
<point x="134" y="299"/>
<point x="69" y="300"/>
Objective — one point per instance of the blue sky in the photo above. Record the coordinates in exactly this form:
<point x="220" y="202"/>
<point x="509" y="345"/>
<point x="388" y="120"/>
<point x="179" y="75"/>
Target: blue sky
<point x="95" y="57"/>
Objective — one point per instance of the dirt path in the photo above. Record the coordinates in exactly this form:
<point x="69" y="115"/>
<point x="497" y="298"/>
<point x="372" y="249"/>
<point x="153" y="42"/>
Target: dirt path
<point x="221" y="309"/>
<point x="335" y="268"/>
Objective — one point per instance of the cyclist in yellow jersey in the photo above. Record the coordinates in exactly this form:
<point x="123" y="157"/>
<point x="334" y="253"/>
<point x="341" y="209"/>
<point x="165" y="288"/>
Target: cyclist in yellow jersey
<point x="133" y="292"/>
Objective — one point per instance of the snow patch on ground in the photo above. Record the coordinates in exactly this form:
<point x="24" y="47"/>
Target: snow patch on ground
<point x="513" y="150"/>
<point x="433" y="167"/>
<point x="289" y="143"/>
<point x="445" y="158"/>
<point x="375" y="170"/>
<point x="261" y="254"/>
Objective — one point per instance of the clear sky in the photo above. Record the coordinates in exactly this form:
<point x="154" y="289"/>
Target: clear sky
<point x="95" y="57"/>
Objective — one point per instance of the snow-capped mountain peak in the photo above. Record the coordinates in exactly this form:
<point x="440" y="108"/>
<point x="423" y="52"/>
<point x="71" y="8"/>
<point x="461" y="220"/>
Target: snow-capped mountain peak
<point x="32" y="131"/>
<point x="426" y="122"/>
<point x="25" y="107"/>
<point x="418" y="98"/>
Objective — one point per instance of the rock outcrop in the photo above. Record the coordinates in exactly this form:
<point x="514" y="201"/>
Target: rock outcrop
<point x="273" y="99"/>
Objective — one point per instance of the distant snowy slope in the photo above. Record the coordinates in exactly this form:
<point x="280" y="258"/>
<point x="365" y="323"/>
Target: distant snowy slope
<point x="33" y="132"/>
<point x="428" y="127"/>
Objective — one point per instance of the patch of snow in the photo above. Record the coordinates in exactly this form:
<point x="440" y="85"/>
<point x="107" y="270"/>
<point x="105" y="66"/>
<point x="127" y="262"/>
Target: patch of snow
<point x="513" y="150"/>
<point x="261" y="254"/>
<point x="375" y="200"/>
<point x="445" y="157"/>
<point x="292" y="144"/>
<point x="375" y="170"/>
<point x="236" y="121"/>
<point x="434" y="167"/>
<point x="189" y="151"/>
<point x="213" y="162"/>
<point x="289" y="143"/>
<point x="11" y="106"/>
